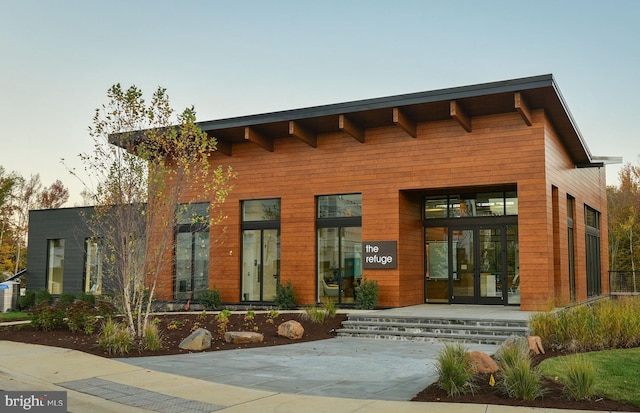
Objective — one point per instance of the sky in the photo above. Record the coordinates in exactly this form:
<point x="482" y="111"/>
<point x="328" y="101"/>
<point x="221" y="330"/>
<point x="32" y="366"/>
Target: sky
<point x="235" y="58"/>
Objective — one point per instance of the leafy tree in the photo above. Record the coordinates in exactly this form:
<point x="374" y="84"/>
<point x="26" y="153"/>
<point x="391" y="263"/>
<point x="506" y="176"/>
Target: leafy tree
<point x="7" y="182"/>
<point x="29" y="194"/>
<point x="624" y="225"/>
<point x="143" y="166"/>
<point x="54" y="196"/>
<point x="18" y="195"/>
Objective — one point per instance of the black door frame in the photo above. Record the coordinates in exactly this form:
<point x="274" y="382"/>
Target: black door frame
<point x="477" y="298"/>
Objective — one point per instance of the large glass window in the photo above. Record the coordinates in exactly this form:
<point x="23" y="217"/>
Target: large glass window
<point x="191" y="250"/>
<point x="339" y="224"/>
<point x="55" y="265"/>
<point x="483" y="204"/>
<point x="592" y="222"/>
<point x="93" y="266"/>
<point x="260" y="249"/>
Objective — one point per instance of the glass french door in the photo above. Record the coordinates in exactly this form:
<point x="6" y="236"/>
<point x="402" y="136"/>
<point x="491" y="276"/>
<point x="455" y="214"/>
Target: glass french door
<point x="339" y="263"/>
<point x="260" y="264"/>
<point x="478" y="265"/>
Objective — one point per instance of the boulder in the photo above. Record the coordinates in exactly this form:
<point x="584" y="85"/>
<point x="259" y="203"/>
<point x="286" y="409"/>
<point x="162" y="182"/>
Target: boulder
<point x="535" y="344"/>
<point x="197" y="341"/>
<point x="242" y="337"/>
<point x="291" y="329"/>
<point x="482" y="363"/>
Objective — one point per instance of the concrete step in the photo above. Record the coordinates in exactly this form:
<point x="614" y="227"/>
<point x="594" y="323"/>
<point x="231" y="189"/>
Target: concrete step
<point x="483" y="331"/>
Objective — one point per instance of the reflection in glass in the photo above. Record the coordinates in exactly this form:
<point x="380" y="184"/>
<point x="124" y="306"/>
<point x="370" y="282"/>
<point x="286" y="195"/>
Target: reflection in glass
<point x="462" y="244"/>
<point x="55" y="266"/>
<point x="339" y="262"/>
<point x="338" y="206"/>
<point x="93" y="266"/>
<point x="437" y="265"/>
<point x="261" y="210"/>
<point x="260" y="264"/>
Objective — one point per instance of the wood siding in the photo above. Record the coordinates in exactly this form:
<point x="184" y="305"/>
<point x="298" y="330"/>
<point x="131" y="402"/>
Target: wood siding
<point x="389" y="169"/>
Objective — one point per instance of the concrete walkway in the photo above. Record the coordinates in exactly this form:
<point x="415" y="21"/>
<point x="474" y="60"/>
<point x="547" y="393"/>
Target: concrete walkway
<point x="98" y="385"/>
<point x="340" y="367"/>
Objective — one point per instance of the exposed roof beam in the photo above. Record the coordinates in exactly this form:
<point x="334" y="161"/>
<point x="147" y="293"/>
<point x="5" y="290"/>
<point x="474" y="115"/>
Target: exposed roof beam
<point x="223" y="147"/>
<point x="523" y="108"/>
<point x="347" y="125"/>
<point x="251" y="134"/>
<point x="459" y="115"/>
<point x="403" y="121"/>
<point x="302" y="133"/>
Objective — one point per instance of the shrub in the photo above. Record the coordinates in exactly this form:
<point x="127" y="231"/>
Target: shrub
<point x="47" y="317"/>
<point x="152" y="339"/>
<point x="249" y="320"/>
<point x="43" y="296"/>
<point x="209" y="299"/>
<point x="27" y="300"/>
<point x="517" y="378"/>
<point x="580" y="378"/>
<point x="455" y="373"/>
<point x="367" y="295"/>
<point x="81" y="316"/>
<point x="66" y="299"/>
<point x="88" y="297"/>
<point x="273" y="314"/>
<point x="285" y="296"/>
<point x="105" y="308"/>
<point x="222" y="318"/>
<point x="115" y="338"/>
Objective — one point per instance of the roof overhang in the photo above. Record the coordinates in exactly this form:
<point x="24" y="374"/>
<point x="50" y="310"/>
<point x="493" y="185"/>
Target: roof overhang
<point x="405" y="111"/>
<point x="461" y="103"/>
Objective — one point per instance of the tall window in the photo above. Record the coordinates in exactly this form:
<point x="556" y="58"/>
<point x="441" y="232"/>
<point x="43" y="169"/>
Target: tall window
<point x="571" y="247"/>
<point x="55" y="265"/>
<point x="93" y="266"/>
<point x="592" y="223"/>
<point x="191" y="249"/>
<point x="339" y="226"/>
<point x="260" y="249"/>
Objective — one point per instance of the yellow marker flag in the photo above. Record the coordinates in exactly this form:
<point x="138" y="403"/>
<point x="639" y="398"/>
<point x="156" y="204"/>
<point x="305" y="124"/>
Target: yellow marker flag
<point x="492" y="381"/>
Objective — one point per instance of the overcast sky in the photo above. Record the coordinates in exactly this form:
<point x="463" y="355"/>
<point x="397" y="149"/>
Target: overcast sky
<point x="234" y="58"/>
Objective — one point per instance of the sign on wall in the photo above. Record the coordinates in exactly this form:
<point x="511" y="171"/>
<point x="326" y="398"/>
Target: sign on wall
<point x="379" y="254"/>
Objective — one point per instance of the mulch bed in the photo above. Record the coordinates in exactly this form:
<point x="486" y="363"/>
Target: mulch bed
<point x="554" y="396"/>
<point x="175" y="327"/>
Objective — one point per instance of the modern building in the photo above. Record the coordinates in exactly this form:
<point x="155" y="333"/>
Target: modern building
<point x="482" y="194"/>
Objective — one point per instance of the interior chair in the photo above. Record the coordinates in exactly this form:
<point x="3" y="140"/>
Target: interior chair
<point x="330" y="290"/>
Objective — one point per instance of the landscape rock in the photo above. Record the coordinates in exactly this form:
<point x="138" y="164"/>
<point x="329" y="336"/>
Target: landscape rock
<point x="482" y="363"/>
<point x="197" y="341"/>
<point x="242" y="337"/>
<point x="535" y="345"/>
<point x="291" y="329"/>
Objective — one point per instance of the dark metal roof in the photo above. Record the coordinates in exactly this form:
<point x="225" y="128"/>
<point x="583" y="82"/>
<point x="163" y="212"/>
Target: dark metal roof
<point x="540" y="92"/>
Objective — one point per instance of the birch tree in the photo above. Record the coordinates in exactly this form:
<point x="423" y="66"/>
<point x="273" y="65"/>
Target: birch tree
<point x="145" y="161"/>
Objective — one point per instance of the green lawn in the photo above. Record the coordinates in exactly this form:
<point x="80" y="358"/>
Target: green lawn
<point x="13" y="316"/>
<point x="618" y="372"/>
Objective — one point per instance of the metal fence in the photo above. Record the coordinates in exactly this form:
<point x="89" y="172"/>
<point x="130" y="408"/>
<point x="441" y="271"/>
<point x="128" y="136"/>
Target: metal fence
<point x="624" y="282"/>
